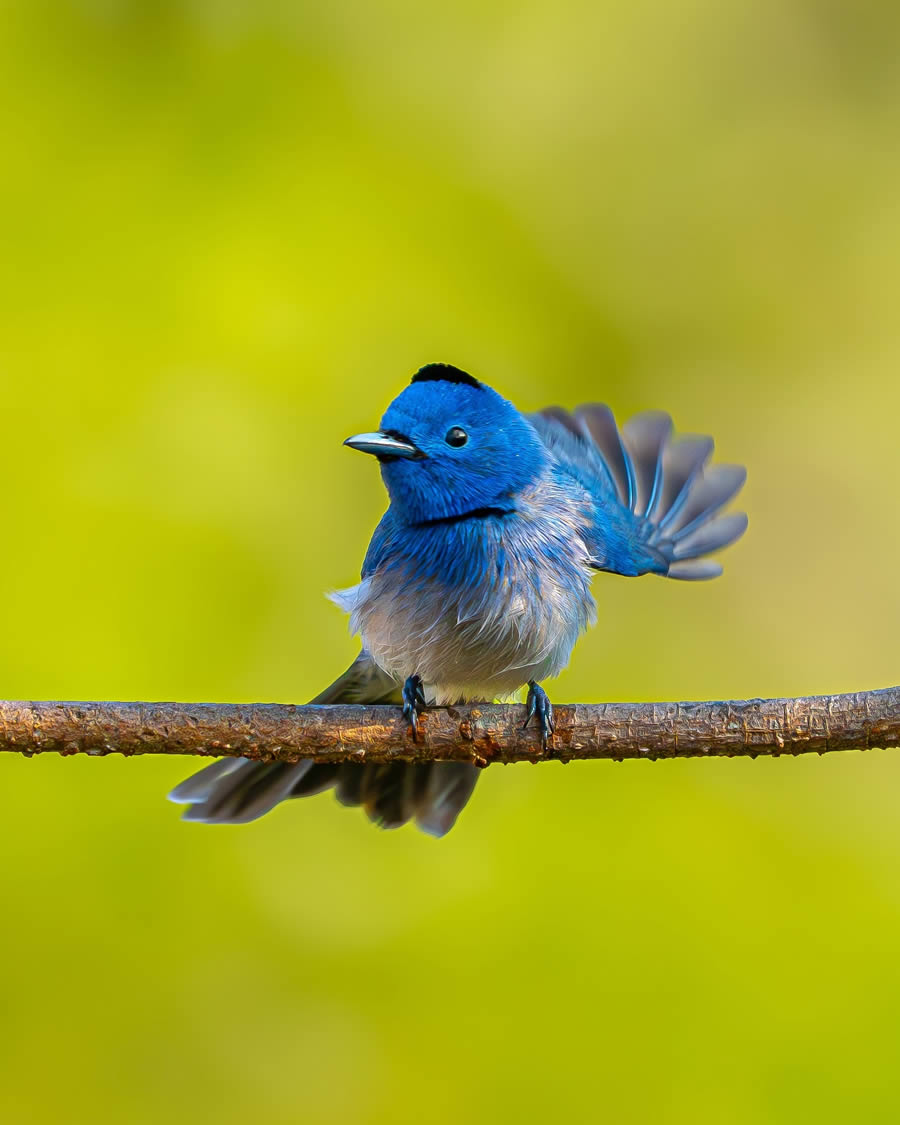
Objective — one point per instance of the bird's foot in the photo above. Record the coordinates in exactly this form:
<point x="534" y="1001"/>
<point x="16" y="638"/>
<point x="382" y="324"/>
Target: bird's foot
<point x="413" y="702"/>
<point x="538" y="704"/>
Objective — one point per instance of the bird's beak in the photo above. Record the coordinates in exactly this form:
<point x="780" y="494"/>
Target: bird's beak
<point x="385" y="445"/>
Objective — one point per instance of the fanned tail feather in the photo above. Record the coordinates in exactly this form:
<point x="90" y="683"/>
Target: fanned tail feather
<point x="391" y="794"/>
<point x="238" y="790"/>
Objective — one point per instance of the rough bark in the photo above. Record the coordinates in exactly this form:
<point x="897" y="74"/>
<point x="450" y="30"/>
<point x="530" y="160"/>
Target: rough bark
<point x="475" y="733"/>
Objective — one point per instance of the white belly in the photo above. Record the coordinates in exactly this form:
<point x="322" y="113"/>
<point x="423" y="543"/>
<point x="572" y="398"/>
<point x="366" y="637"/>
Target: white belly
<point x="478" y="643"/>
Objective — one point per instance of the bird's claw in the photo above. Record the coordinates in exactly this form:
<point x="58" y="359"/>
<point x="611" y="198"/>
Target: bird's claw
<point x="538" y="704"/>
<point x="413" y="702"/>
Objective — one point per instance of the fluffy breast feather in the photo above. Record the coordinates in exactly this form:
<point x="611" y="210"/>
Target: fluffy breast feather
<point x="478" y="607"/>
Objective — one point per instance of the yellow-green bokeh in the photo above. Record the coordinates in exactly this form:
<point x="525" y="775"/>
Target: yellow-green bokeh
<point x="228" y="233"/>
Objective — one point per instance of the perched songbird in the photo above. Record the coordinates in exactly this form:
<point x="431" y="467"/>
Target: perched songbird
<point x="477" y="580"/>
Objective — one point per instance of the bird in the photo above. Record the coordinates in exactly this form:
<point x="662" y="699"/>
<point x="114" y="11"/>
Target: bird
<point x="477" y="581"/>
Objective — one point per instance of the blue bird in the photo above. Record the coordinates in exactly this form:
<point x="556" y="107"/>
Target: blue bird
<point x="477" y="580"/>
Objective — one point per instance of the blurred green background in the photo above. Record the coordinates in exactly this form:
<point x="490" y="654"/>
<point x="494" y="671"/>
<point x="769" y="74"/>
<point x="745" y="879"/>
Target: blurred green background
<point x="229" y="233"/>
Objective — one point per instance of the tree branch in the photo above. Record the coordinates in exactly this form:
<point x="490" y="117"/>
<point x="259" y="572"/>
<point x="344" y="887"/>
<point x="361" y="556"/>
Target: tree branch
<point x="481" y="733"/>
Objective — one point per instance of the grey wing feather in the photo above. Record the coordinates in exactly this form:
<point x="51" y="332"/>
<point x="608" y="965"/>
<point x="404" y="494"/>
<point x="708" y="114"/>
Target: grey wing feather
<point x="711" y="536"/>
<point x="645" y="437"/>
<point x="695" y="571"/>
<point x="683" y="461"/>
<point x="707" y="496"/>
<point x="658" y="500"/>
<point x="601" y="425"/>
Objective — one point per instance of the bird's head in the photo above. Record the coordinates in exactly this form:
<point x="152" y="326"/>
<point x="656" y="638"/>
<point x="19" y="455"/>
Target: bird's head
<point x="449" y="445"/>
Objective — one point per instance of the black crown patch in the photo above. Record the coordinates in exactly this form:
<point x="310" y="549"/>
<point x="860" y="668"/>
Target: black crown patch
<point x="443" y="373"/>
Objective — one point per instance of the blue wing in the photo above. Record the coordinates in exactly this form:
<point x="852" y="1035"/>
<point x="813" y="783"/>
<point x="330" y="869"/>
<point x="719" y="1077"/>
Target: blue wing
<point x="657" y="500"/>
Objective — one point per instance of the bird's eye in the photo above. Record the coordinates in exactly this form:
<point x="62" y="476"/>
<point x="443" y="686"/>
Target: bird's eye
<point x="456" y="437"/>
